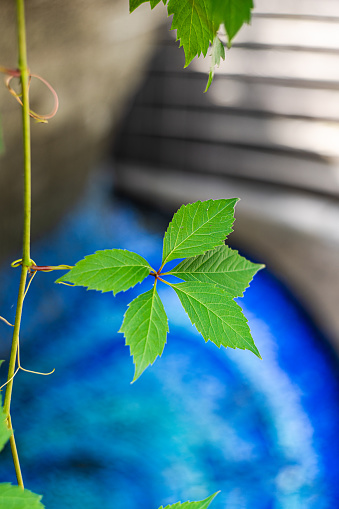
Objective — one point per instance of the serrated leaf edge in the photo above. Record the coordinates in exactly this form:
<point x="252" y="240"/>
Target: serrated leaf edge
<point x="228" y="298"/>
<point x="168" y="257"/>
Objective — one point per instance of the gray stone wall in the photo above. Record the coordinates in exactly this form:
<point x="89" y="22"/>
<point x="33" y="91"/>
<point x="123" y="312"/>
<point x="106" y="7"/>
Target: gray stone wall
<point x="93" y="54"/>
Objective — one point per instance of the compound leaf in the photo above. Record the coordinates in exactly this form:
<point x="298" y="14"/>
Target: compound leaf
<point x="145" y="328"/>
<point x="194" y="24"/>
<point x="221" y="266"/>
<point x="233" y="14"/>
<point x="197" y="228"/>
<point x="14" y="497"/>
<point x="216" y="316"/>
<point x="217" y="54"/>
<point x="201" y="504"/>
<point x="111" y="270"/>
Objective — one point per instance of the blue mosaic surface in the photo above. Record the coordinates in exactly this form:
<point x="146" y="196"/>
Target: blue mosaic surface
<point x="199" y="420"/>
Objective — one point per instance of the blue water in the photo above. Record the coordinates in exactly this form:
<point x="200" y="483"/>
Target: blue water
<point x="199" y="420"/>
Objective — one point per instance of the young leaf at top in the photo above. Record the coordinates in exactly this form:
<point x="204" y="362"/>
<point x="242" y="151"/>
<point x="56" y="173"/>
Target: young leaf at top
<point x="145" y="328"/>
<point x="216" y="316"/>
<point x="233" y="14"/>
<point x="111" y="270"/>
<point x="217" y="54"/>
<point x="14" y="497"/>
<point x="194" y="24"/>
<point x="197" y="23"/>
<point x="198" y="227"/>
<point x="201" y="504"/>
<point x="221" y="266"/>
<point x="133" y="4"/>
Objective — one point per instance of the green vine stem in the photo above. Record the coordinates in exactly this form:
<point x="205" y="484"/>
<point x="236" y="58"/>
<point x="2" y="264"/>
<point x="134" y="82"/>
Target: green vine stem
<point x="26" y="260"/>
<point x="23" y="68"/>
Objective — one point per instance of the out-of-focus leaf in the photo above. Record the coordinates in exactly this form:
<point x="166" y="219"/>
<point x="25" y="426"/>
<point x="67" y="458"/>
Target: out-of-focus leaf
<point x="217" y="54"/>
<point x="14" y="497"/>
<point x="201" y="504"/>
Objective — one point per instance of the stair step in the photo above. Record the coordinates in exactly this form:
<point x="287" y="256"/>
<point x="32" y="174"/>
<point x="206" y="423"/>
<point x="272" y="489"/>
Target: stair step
<point x="276" y="63"/>
<point x="317" y="8"/>
<point x="242" y="94"/>
<point x="317" y="138"/>
<point x="297" y="33"/>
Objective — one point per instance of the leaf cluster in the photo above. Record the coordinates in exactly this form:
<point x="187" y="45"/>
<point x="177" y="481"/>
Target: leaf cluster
<point x="212" y="273"/>
<point x="198" y="21"/>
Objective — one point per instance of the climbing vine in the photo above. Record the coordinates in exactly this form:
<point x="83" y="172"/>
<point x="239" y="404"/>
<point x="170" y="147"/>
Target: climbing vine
<point x="210" y="274"/>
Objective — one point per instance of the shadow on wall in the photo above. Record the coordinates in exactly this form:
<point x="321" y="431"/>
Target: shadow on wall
<point x="266" y="131"/>
<point x="88" y="52"/>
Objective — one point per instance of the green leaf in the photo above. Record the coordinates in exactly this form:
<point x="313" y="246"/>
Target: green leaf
<point x="145" y="328"/>
<point x="233" y="14"/>
<point x="194" y="24"/>
<point x="14" y="497"/>
<point x="5" y="433"/>
<point x="221" y="266"/>
<point x="198" y="227"/>
<point x="111" y="270"/>
<point x="216" y="316"/>
<point x="133" y="4"/>
<point x="218" y="53"/>
<point x="201" y="504"/>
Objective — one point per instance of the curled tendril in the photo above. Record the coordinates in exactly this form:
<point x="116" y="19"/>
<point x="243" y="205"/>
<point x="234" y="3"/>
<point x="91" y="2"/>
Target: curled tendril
<point x="15" y="73"/>
<point x="6" y="321"/>
<point x="29" y="370"/>
<point x="17" y="263"/>
<point x="3" y="385"/>
<point x="24" y="369"/>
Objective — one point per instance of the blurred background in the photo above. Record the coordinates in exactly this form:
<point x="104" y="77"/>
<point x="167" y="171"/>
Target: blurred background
<point x="135" y="138"/>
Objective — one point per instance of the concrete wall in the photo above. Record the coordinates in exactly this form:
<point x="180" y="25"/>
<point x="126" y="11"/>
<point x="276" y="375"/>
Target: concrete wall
<point x="94" y="54"/>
